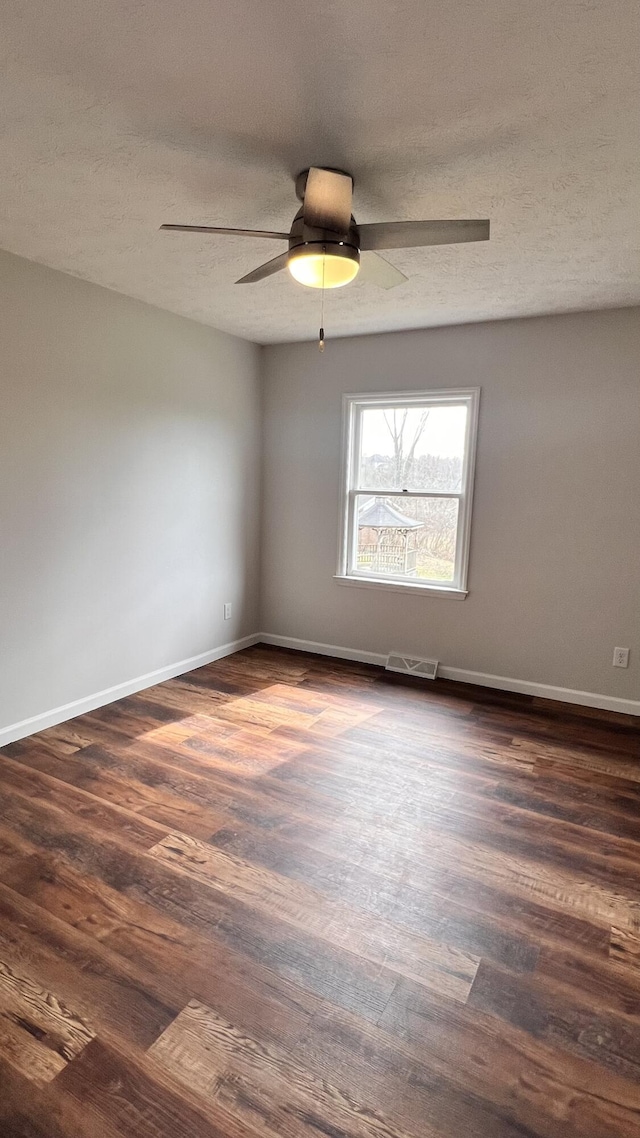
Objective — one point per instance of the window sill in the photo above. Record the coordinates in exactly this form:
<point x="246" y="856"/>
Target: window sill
<point x="400" y="587"/>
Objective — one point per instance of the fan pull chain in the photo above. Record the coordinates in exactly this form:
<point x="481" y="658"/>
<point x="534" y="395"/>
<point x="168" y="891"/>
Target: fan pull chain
<point x="321" y="337"/>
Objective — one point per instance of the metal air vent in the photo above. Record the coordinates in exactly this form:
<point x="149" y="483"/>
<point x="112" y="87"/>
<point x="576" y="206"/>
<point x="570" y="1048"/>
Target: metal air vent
<point x="412" y="665"/>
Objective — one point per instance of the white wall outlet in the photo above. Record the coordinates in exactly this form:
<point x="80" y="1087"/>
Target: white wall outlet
<point x="621" y="657"/>
<point x="227" y="611"/>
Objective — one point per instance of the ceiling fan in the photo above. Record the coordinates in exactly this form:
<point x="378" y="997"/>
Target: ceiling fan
<point x="326" y="243"/>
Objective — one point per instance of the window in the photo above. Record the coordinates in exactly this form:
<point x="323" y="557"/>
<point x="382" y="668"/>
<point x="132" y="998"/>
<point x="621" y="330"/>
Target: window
<point x="407" y="490"/>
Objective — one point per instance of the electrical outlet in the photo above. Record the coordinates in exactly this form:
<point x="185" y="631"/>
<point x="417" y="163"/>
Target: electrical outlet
<point x="227" y="611"/>
<point x="621" y="657"/>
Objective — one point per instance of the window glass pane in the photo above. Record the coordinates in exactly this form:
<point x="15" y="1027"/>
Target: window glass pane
<point x="406" y="537"/>
<point x="412" y="448"/>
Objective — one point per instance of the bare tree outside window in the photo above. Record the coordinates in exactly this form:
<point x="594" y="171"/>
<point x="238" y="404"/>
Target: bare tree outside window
<point x="403" y="450"/>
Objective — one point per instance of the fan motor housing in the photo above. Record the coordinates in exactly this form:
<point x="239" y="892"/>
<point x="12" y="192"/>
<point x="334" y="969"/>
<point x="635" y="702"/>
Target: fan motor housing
<point x="301" y="234"/>
<point x="310" y="244"/>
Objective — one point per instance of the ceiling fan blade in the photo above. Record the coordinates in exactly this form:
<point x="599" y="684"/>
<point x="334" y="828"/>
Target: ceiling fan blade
<point x="266" y="270"/>
<point x="327" y="200"/>
<point x="234" y="232"/>
<point x="375" y="270"/>
<point x="414" y="234"/>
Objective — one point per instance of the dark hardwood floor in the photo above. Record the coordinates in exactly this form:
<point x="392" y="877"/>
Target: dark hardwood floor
<point x="286" y="896"/>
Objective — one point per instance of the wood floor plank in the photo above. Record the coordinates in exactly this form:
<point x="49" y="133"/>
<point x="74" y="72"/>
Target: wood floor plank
<point x="140" y="1099"/>
<point x="41" y="1014"/>
<point x="618" y="818"/>
<point x="28" y="1048"/>
<point x="290" y="895"/>
<point x="500" y="824"/>
<point x="106" y="991"/>
<point x="260" y="713"/>
<point x="13" y="848"/>
<point x="625" y="947"/>
<point x="39" y="1032"/>
<point x="250" y="751"/>
<point x="589" y="756"/>
<point x="424" y="911"/>
<point x="552" y="1012"/>
<point x="367" y="1058"/>
<point x="207" y="772"/>
<point x="444" y="967"/>
<point x="326" y="970"/>
<point x="533" y="875"/>
<point x="600" y="983"/>
<point x="549" y="1091"/>
<point x="66" y="799"/>
<point x="89" y="769"/>
<point x="201" y="965"/>
<point x="193" y="773"/>
<point x="263" y="1086"/>
<point x="32" y="1108"/>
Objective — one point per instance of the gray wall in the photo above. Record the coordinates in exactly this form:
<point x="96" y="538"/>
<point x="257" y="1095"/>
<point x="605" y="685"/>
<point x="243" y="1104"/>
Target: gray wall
<point x="554" y="574"/>
<point x="129" y="498"/>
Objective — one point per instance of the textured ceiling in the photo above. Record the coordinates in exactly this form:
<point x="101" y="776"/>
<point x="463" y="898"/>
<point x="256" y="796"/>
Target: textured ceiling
<point x="118" y="115"/>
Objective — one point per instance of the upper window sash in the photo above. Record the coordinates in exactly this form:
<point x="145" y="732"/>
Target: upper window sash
<point x="359" y="406"/>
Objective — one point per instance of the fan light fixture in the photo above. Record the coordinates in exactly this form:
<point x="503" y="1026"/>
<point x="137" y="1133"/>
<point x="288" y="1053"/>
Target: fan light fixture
<point x="324" y="265"/>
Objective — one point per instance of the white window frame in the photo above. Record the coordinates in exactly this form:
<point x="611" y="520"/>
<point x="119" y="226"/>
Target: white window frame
<point x="353" y="406"/>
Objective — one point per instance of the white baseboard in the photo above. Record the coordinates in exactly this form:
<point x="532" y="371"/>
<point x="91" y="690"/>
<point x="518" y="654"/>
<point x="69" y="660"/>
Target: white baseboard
<point x="322" y="649"/>
<point x="119" y="691"/>
<point x="543" y="691"/>
<point x="463" y="676"/>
